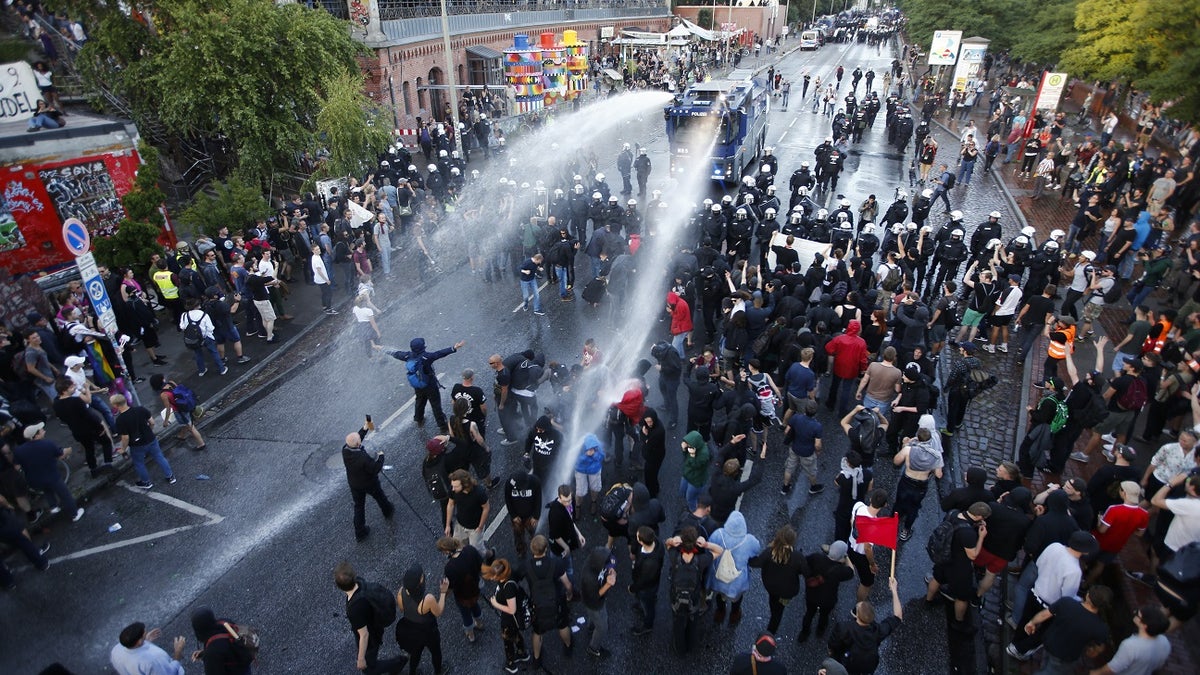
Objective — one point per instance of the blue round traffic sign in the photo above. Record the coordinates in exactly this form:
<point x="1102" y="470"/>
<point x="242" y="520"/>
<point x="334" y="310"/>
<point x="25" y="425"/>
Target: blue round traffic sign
<point x="76" y="237"/>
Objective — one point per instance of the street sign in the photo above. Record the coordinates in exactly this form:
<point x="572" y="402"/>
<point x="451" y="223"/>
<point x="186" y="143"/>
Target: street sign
<point x="76" y="237"/>
<point x="96" y="292"/>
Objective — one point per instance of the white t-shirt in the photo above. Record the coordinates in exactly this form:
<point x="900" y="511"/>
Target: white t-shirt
<point x="363" y="314"/>
<point x="860" y="509"/>
<point x="1079" y="282"/>
<point x="1185" y="527"/>
<point x="1009" y="301"/>
<point x="1059" y="574"/>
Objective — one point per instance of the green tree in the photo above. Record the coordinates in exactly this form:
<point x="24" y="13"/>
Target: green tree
<point x="991" y="19"/>
<point x="704" y="18"/>
<point x="350" y="126"/>
<point x="137" y="235"/>
<point x="1170" y="63"/>
<point x="1049" y="30"/>
<point x="1108" y="42"/>
<point x="234" y="203"/>
<point x="250" y="71"/>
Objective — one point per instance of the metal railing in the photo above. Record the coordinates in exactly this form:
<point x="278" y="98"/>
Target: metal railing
<point x="414" y="9"/>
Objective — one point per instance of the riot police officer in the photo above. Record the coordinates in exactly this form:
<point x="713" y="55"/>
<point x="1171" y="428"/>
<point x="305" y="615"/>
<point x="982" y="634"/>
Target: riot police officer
<point x="946" y="259"/>
<point x="985" y="232"/>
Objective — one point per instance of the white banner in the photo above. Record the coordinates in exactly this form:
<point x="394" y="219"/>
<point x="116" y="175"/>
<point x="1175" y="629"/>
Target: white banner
<point x="19" y="92"/>
<point x="943" y="51"/>
<point x="1050" y="91"/>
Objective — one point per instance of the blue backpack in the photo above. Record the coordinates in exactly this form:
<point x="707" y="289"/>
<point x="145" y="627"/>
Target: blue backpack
<point x="185" y="399"/>
<point x="417" y="377"/>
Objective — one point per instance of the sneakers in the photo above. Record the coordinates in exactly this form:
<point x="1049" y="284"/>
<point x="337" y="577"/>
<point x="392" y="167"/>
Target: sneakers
<point x="78" y="515"/>
<point x="905" y="534"/>
<point x="55" y="510"/>
<point x="202" y="373"/>
<point x="172" y="480"/>
<point x="980" y="338"/>
<point x="1080" y="457"/>
<point x="144" y="485"/>
<point x="243" y="359"/>
<point x="224" y="370"/>
<point x="1016" y="653"/>
<point x="1108" y="454"/>
<point x="785" y="489"/>
<point x="330" y="311"/>
<point x="538" y="313"/>
<point x="816" y="489"/>
<point x="508" y="442"/>
<point x="639" y="631"/>
<point x="991" y="349"/>
<point x="471" y="638"/>
<point x="44" y="548"/>
<point x="1142" y="577"/>
<point x="1003" y="347"/>
<point x="1108" y="438"/>
<point x="596" y="653"/>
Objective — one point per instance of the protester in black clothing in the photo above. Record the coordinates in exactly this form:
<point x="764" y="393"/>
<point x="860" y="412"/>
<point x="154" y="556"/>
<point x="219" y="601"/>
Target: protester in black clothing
<point x="417" y="629"/>
<point x="855" y="642"/>
<point x="825" y="572"/>
<point x="463" y="570"/>
<point x="648" y="557"/>
<point x="955" y="578"/>
<point x="1100" y="487"/>
<point x="702" y="394"/>
<point x="974" y="491"/>
<point x="853" y="482"/>
<point x="365" y="623"/>
<point x="911" y="404"/>
<point x="220" y="652"/>
<point x="644" y="511"/>
<point x="561" y="530"/>
<point x="1009" y="521"/>
<point x="726" y="485"/>
<point x="688" y="560"/>
<point x="549" y="589"/>
<point x="654" y="449"/>
<point x="782" y="566"/>
<point x="362" y="473"/>
<point x="85" y="425"/>
<point x="758" y="661"/>
<point x="523" y="497"/>
<point x="699" y="517"/>
<point x="542" y="446"/>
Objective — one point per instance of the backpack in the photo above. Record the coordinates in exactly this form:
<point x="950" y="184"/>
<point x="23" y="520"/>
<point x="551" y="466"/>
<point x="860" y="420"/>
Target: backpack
<point x="18" y="365"/>
<point x="543" y="591"/>
<point x="341" y="252"/>
<point x="940" y="546"/>
<point x="434" y="473"/>
<point x="382" y="602"/>
<point x="245" y="641"/>
<point x="865" y="433"/>
<point x="612" y="506"/>
<point x="1184" y="567"/>
<point x="1095" y="412"/>
<point x="950" y="180"/>
<point x="185" y="399"/>
<point x="1134" y="397"/>
<point x="686" y="595"/>
<point x="892" y="281"/>
<point x="727" y="570"/>
<point x="977" y="382"/>
<point x="417" y="377"/>
<point x="1061" y="415"/>
<point x="193" y="337"/>
<point x="1114" y="294"/>
<point x="524" y="611"/>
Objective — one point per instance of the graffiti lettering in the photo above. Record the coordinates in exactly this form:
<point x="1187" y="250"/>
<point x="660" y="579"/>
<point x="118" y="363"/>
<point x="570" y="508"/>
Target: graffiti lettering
<point x="85" y="191"/>
<point x="21" y="199"/>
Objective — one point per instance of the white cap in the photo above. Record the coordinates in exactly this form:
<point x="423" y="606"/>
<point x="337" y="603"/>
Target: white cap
<point x="1089" y="255"/>
<point x="994" y="214"/>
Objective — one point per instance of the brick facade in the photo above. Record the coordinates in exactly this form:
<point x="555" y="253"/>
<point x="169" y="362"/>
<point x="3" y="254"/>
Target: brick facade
<point x="409" y="66"/>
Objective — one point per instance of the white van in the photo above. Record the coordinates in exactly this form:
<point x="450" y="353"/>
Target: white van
<point x="810" y="39"/>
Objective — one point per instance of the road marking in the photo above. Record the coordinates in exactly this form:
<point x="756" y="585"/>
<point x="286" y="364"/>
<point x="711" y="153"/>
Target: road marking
<point x="540" y="289"/>
<point x="737" y="506"/>
<point x="501" y="516"/>
<point x="794" y="120"/>
<point x="781" y="137"/>
<point x="407" y="404"/>
<point x="210" y="519"/>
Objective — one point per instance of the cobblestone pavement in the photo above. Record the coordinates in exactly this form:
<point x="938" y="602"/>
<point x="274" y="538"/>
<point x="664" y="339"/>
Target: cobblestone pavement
<point x="995" y="424"/>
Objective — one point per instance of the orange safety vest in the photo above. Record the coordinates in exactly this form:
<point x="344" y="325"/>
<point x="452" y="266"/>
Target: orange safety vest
<point x="1156" y="344"/>
<point x="1058" y="350"/>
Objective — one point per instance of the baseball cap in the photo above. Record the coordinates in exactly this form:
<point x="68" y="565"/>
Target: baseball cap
<point x="1083" y="542"/>
<point x="1128" y="452"/>
<point x="765" y="645"/>
<point x="837" y="551"/>
<point x="912" y="371"/>
<point x="73" y="360"/>
<point x="33" y="429"/>
<point x="435" y="446"/>
<point x="1015" y="277"/>
<point x="967" y="347"/>
<point x="33" y="317"/>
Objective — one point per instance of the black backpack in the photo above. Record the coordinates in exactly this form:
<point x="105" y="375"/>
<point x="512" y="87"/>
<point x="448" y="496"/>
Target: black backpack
<point x="940" y="546"/>
<point x="543" y="590"/>
<point x="193" y="337"/>
<point x="1095" y="412"/>
<point x="1114" y="294"/>
<point x="612" y="506"/>
<point x="950" y="180"/>
<point x="382" y="602"/>
<point x="434" y="473"/>
<point x="686" y="595"/>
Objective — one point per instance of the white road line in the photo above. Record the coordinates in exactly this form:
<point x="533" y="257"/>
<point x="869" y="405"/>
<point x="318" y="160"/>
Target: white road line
<point x="501" y="517"/>
<point x="781" y="137"/>
<point x="128" y="542"/>
<point x="794" y="120"/>
<point x="399" y="411"/>
<point x="177" y="503"/>
<point x="540" y="289"/>
<point x="737" y="506"/>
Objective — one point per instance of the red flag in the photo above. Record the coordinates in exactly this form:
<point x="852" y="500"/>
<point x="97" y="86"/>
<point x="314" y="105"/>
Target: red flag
<point x="881" y="531"/>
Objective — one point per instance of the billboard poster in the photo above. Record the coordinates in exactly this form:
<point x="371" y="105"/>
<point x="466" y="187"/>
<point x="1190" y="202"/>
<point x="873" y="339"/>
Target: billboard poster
<point x="943" y="51"/>
<point x="970" y="61"/>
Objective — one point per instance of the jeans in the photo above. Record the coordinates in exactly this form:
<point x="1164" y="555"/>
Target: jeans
<point x="939" y="193"/>
<point x="1029" y="335"/>
<point x="15" y="537"/>
<point x="100" y="405"/>
<point x="360" y="505"/>
<point x="599" y="620"/>
<point x="669" y="388"/>
<point x="1137" y="296"/>
<point x="965" y="171"/>
<point x="689" y="492"/>
<point x="43" y="122"/>
<point x="57" y="494"/>
<point x="1119" y="359"/>
<point x="469" y="614"/>
<point x="884" y="407"/>
<point x="1024" y="585"/>
<point x="529" y="291"/>
<point x="210" y="345"/>
<point x="841" y="392"/>
<point x="326" y="296"/>
<point x="561" y="273"/>
<point x="348" y="274"/>
<point x="385" y="257"/>
<point x="1052" y="665"/>
<point x="138" y="454"/>
<point x="678" y="343"/>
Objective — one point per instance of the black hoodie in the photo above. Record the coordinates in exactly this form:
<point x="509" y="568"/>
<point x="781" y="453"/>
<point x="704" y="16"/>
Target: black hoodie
<point x="542" y="446"/>
<point x="1053" y="526"/>
<point x="646" y="511"/>
<point x="222" y="656"/>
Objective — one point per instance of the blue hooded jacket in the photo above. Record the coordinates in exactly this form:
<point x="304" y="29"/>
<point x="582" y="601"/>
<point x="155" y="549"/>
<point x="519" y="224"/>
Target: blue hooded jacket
<point x="742" y="546"/>
<point x="590" y="464"/>
<point x="417" y="345"/>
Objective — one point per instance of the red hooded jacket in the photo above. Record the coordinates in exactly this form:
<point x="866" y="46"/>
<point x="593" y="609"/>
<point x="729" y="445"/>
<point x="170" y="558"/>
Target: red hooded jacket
<point x="849" y="352"/>
<point x="681" y="313"/>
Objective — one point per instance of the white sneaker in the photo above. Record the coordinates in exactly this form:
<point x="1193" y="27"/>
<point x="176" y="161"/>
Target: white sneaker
<point x="1003" y="348"/>
<point x="78" y="515"/>
<point x="991" y="349"/>
<point x="1108" y="438"/>
<point x="55" y="510"/>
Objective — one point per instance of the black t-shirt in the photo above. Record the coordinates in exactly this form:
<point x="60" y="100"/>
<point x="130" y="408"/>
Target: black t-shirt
<point x="360" y="614"/>
<point x="1037" y="309"/>
<point x="475" y="399"/>
<point x="258" y="287"/>
<point x="73" y="412"/>
<point x="1073" y="629"/>
<point x="523" y="495"/>
<point x="546" y="567"/>
<point x="463" y="573"/>
<point x="1119" y="385"/>
<point x="135" y="423"/>
<point x="469" y="506"/>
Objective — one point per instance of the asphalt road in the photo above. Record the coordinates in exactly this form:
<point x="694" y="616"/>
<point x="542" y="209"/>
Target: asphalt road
<point x="258" y="538"/>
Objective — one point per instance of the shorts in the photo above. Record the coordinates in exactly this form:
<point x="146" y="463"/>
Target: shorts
<point x="585" y="483"/>
<point x="226" y="334"/>
<point x="1115" y="422"/>
<point x="990" y="561"/>
<point x="972" y="318"/>
<point x="863" y="567"/>
<point x="555" y="619"/>
<point x="937" y="333"/>
<point x="1091" y="311"/>
<point x="808" y="464"/>
<point x="265" y="310"/>
<point x="795" y="404"/>
<point x="956" y="582"/>
<point x="1001" y="320"/>
<point x="184" y="419"/>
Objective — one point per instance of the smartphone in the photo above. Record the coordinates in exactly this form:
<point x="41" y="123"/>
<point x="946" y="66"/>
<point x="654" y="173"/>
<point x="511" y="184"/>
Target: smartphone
<point x="368" y="418"/>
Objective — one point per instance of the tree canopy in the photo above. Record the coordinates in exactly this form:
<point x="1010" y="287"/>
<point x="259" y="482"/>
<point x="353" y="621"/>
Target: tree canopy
<point x="248" y="71"/>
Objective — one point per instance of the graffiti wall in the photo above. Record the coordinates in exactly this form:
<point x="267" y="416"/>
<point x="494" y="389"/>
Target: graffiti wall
<point x="37" y="198"/>
<point x="85" y="191"/>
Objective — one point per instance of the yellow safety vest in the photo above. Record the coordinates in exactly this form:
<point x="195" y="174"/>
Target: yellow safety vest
<point x="163" y="279"/>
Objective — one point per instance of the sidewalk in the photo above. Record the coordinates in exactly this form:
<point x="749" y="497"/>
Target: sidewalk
<point x="1046" y="214"/>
